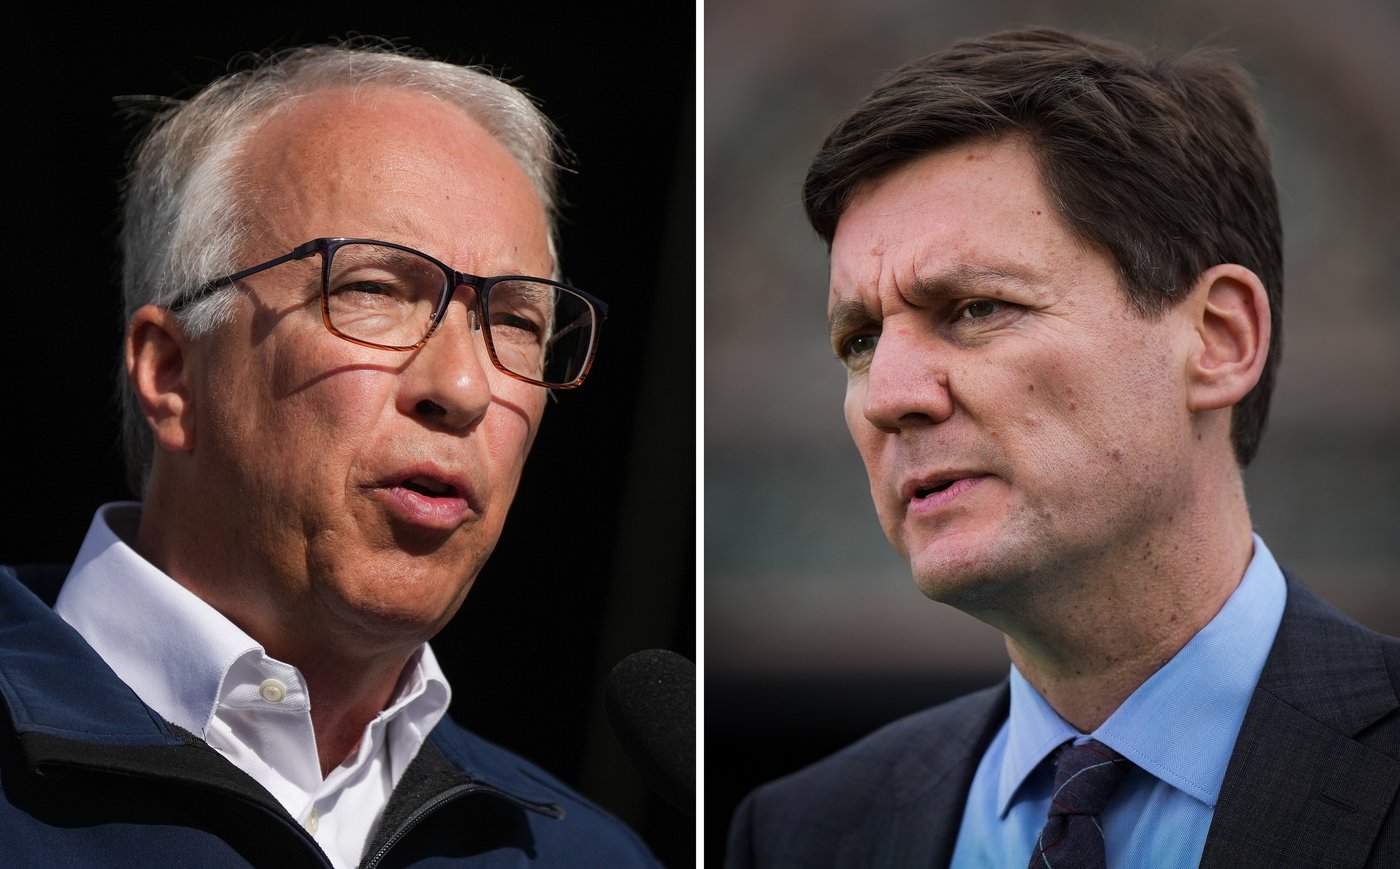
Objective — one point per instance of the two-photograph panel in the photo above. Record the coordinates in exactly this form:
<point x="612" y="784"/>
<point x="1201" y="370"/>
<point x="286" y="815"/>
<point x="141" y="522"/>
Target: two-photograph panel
<point x="1049" y="437"/>
<point x="1051" y="432"/>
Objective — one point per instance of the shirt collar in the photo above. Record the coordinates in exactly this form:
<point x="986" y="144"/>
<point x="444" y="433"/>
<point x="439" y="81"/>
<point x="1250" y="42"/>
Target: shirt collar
<point x="176" y="651"/>
<point x="420" y="701"/>
<point x="171" y="647"/>
<point x="1181" y="724"/>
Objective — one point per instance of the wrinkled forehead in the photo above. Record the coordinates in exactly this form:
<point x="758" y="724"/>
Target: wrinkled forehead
<point x="979" y="206"/>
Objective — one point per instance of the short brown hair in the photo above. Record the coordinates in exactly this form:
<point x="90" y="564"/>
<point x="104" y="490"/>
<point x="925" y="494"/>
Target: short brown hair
<point x="1161" y="164"/>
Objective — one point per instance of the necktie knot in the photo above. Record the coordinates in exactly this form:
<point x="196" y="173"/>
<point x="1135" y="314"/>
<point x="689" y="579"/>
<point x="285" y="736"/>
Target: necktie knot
<point x="1086" y="775"/>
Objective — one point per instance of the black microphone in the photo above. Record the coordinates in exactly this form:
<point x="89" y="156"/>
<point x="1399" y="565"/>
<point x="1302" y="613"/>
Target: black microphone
<point x="650" y="701"/>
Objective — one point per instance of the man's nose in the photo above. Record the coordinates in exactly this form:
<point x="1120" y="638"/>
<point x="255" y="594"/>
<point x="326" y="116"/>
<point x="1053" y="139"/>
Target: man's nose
<point x="907" y="384"/>
<point x="448" y="382"/>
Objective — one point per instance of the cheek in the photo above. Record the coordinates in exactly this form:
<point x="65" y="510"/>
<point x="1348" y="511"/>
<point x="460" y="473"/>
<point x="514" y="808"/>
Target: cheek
<point x="326" y="394"/>
<point x="508" y="442"/>
<point x="308" y="410"/>
<point x="1096" y="421"/>
<point x="869" y="443"/>
<point x="862" y="433"/>
<point x="851" y="409"/>
<point x="510" y="427"/>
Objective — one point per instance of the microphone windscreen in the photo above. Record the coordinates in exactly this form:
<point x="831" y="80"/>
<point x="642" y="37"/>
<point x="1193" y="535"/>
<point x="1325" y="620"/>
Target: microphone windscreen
<point x="650" y="701"/>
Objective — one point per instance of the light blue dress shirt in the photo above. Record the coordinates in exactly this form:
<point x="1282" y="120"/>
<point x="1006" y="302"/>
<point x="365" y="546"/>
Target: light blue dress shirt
<point x="1178" y="728"/>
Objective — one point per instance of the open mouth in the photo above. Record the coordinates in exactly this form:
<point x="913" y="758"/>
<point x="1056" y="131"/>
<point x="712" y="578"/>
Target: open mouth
<point x="925" y="491"/>
<point x="429" y="487"/>
<point x="426" y="499"/>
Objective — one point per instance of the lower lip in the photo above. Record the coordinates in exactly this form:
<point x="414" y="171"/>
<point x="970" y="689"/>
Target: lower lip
<point x="425" y="511"/>
<point x="938" y="500"/>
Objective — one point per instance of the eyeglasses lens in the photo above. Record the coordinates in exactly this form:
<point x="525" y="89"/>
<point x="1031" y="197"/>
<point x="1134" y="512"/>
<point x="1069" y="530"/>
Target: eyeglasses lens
<point x="386" y="296"/>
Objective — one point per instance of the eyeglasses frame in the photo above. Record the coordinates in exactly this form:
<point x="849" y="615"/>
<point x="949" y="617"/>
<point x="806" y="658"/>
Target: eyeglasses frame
<point x="327" y="248"/>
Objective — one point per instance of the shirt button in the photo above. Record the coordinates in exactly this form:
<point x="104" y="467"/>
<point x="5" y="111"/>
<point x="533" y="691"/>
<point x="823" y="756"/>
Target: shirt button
<point x="272" y="690"/>
<point x="313" y="821"/>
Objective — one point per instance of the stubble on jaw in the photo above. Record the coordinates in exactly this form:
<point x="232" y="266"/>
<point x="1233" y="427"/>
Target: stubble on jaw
<point x="1045" y="556"/>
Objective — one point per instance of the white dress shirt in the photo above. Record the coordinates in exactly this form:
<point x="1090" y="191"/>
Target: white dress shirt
<point x="202" y="673"/>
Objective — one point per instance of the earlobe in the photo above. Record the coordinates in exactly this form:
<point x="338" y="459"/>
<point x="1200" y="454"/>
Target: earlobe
<point x="157" y="362"/>
<point x="1231" y="310"/>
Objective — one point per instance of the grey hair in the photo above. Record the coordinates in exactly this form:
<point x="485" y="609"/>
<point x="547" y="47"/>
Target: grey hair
<point x="184" y="220"/>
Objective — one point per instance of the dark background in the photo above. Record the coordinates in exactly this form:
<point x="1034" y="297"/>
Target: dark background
<point x="597" y="559"/>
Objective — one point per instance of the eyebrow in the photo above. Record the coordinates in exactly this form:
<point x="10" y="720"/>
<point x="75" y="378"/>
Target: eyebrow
<point x="381" y="256"/>
<point x="958" y="282"/>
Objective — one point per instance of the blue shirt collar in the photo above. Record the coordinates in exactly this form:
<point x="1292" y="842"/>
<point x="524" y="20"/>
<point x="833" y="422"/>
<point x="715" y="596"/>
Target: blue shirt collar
<point x="1181" y="724"/>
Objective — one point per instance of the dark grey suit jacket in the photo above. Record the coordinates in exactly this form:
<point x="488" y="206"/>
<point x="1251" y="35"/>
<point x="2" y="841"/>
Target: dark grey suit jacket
<point x="1312" y="781"/>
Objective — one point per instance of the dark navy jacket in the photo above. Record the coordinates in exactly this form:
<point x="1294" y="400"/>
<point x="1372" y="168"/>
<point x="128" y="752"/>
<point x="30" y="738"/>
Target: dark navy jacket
<point x="1312" y="781"/>
<point x="91" y="776"/>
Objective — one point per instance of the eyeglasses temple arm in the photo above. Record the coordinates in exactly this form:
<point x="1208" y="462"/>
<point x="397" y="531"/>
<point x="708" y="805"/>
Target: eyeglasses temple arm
<point x="189" y="297"/>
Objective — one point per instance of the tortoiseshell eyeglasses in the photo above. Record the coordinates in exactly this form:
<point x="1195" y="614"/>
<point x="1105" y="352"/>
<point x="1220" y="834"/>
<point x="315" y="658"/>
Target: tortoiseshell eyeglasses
<point x="385" y="295"/>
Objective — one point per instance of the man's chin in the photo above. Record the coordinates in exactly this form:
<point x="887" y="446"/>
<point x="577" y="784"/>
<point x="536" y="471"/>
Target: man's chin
<point x="395" y="595"/>
<point x="959" y="569"/>
<point x="398" y="619"/>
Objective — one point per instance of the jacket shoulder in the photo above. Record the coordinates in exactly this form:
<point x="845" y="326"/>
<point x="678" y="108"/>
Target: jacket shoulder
<point x="800" y="819"/>
<point x="42" y="580"/>
<point x="1328" y="666"/>
<point x="1314" y="772"/>
<point x="941" y="733"/>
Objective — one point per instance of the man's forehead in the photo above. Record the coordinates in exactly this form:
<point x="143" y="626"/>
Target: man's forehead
<point x="949" y="221"/>
<point x="340" y="131"/>
<point x="390" y="164"/>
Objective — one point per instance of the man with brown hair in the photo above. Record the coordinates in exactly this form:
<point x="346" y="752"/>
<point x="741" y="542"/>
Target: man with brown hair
<point x="1056" y="282"/>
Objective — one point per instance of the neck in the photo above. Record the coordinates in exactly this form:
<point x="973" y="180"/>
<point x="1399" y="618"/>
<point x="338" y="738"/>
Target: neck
<point x="1105" y="628"/>
<point x="350" y="672"/>
<point x="344" y="701"/>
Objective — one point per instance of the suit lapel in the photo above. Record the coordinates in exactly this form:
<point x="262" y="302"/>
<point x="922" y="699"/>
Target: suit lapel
<point x="1300" y="790"/>
<point x="929" y="791"/>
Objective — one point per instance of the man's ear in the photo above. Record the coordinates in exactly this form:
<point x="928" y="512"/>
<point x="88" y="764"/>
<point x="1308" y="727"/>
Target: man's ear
<point x="1230" y="310"/>
<point x="157" y="361"/>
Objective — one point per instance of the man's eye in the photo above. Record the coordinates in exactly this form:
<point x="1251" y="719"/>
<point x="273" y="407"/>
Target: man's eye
<point x="857" y="346"/>
<point x="514" y="323"/>
<point x="978" y="309"/>
<point x="364" y="288"/>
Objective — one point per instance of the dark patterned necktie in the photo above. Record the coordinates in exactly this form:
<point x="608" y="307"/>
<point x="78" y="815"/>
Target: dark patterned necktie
<point x="1085" y="777"/>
